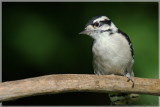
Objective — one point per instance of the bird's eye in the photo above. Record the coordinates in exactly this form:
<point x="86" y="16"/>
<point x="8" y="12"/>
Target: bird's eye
<point x="96" y="24"/>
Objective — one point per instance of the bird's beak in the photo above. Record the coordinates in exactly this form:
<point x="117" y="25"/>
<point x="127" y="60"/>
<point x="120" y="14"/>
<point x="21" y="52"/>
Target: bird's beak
<point x="87" y="30"/>
<point x="84" y="32"/>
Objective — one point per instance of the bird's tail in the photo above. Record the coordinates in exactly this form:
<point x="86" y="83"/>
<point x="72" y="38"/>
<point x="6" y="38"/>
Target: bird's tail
<point x="123" y="98"/>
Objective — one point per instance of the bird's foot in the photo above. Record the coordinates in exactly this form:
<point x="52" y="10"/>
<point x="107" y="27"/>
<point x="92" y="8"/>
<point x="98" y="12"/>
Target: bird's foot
<point x="132" y="80"/>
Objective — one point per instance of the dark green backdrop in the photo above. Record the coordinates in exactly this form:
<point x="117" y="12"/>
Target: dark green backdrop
<point x="42" y="38"/>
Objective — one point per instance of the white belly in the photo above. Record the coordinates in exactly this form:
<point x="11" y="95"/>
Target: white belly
<point x="111" y="55"/>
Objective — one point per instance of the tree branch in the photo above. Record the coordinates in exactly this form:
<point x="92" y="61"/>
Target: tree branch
<point x="53" y="84"/>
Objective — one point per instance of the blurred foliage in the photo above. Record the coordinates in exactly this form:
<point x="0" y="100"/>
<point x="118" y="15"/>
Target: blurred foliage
<point x="42" y="38"/>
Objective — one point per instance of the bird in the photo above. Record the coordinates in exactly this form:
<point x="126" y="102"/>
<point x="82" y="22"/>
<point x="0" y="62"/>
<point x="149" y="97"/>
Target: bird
<point x="113" y="54"/>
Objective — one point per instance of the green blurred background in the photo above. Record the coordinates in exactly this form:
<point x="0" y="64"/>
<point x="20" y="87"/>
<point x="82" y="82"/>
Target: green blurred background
<point x="42" y="38"/>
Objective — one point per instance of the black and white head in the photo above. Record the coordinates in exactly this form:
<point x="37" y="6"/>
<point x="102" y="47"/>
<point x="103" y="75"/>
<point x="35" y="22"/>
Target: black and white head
<point x="97" y="25"/>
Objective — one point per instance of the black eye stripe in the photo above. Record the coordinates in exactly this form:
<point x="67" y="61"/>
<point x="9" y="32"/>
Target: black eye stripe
<point x="96" y="24"/>
<point x="106" y="22"/>
<point x="102" y="22"/>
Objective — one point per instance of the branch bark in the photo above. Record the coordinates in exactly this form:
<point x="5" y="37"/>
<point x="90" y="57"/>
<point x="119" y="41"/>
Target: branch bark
<point x="53" y="84"/>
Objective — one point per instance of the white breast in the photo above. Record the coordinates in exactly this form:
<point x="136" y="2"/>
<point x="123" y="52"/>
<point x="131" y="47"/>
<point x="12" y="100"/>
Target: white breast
<point x="111" y="54"/>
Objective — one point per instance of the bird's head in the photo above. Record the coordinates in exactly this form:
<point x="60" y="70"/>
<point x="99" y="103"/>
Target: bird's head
<point x="98" y="24"/>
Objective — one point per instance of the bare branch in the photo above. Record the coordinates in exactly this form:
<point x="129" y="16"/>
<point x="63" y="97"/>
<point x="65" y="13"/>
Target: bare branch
<point x="53" y="84"/>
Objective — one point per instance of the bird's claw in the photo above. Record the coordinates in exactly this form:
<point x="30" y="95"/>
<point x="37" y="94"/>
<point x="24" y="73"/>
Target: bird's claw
<point x="130" y="79"/>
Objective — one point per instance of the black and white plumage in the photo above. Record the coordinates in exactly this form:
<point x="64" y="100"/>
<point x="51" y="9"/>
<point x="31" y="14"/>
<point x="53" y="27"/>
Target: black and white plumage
<point x="112" y="52"/>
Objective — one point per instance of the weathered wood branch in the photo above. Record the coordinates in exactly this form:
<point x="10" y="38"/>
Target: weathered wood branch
<point x="53" y="84"/>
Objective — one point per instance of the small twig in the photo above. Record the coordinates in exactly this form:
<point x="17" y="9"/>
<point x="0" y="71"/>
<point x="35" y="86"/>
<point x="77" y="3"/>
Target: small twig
<point x="53" y="84"/>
